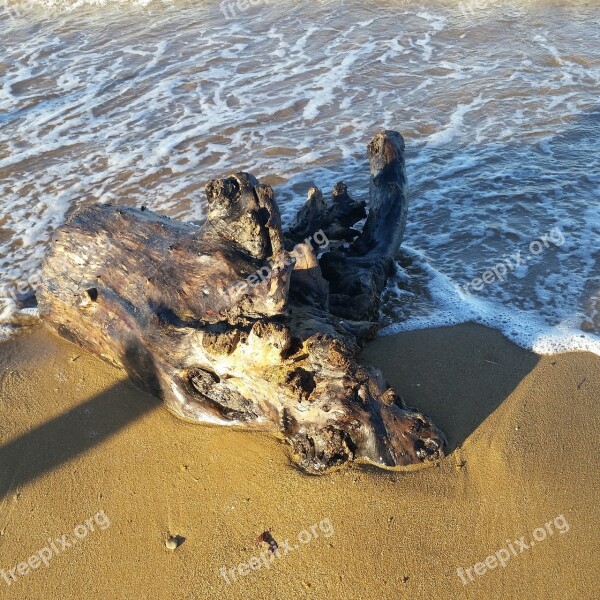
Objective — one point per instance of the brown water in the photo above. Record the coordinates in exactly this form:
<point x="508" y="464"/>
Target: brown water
<point x="498" y="103"/>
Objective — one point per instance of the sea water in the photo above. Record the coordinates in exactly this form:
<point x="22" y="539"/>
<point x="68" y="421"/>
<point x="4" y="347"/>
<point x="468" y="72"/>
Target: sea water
<point x="143" y="102"/>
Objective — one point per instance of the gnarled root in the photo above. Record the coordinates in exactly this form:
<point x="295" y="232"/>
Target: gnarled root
<point x="229" y="327"/>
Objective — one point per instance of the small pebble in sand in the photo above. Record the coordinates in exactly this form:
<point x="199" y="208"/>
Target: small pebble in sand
<point x="173" y="542"/>
<point x="267" y="538"/>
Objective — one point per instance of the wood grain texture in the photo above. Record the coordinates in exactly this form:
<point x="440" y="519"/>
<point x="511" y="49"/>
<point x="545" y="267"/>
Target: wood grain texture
<point x="238" y="323"/>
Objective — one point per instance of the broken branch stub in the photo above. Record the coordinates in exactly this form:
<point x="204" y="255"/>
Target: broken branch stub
<point x="230" y="328"/>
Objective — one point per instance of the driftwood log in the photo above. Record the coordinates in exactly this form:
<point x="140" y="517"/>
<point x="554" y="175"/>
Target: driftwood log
<point x="238" y="323"/>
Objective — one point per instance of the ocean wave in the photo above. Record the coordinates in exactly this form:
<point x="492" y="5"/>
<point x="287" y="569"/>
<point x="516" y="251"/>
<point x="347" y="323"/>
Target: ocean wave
<point x="144" y="103"/>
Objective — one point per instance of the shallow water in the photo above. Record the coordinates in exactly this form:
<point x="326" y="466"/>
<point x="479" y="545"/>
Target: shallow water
<point x="144" y="103"/>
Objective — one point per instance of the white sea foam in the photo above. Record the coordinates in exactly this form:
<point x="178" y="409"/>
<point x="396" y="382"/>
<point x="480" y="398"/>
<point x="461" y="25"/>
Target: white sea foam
<point x="522" y="327"/>
<point x="142" y="103"/>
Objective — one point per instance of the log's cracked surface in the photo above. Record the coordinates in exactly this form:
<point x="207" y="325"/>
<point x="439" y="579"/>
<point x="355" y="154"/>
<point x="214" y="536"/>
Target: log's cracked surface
<point x="238" y="323"/>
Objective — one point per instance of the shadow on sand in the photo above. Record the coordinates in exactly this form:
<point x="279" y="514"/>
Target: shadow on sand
<point x="460" y="382"/>
<point x="72" y="433"/>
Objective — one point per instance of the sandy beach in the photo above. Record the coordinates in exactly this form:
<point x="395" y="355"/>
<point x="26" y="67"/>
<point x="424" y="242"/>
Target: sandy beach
<point x="163" y="164"/>
<point x="84" y="453"/>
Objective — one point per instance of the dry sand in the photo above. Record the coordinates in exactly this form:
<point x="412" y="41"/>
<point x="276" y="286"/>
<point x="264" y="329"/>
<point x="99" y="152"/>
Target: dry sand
<point x="77" y="438"/>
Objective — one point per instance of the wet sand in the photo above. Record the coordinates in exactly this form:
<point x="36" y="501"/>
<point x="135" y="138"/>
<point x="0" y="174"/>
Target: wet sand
<point x="76" y="438"/>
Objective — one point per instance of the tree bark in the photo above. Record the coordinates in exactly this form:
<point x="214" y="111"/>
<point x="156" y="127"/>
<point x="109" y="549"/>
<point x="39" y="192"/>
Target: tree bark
<point x="229" y="327"/>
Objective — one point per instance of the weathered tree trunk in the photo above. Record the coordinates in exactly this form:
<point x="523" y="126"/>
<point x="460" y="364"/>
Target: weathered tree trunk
<point x="230" y="328"/>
